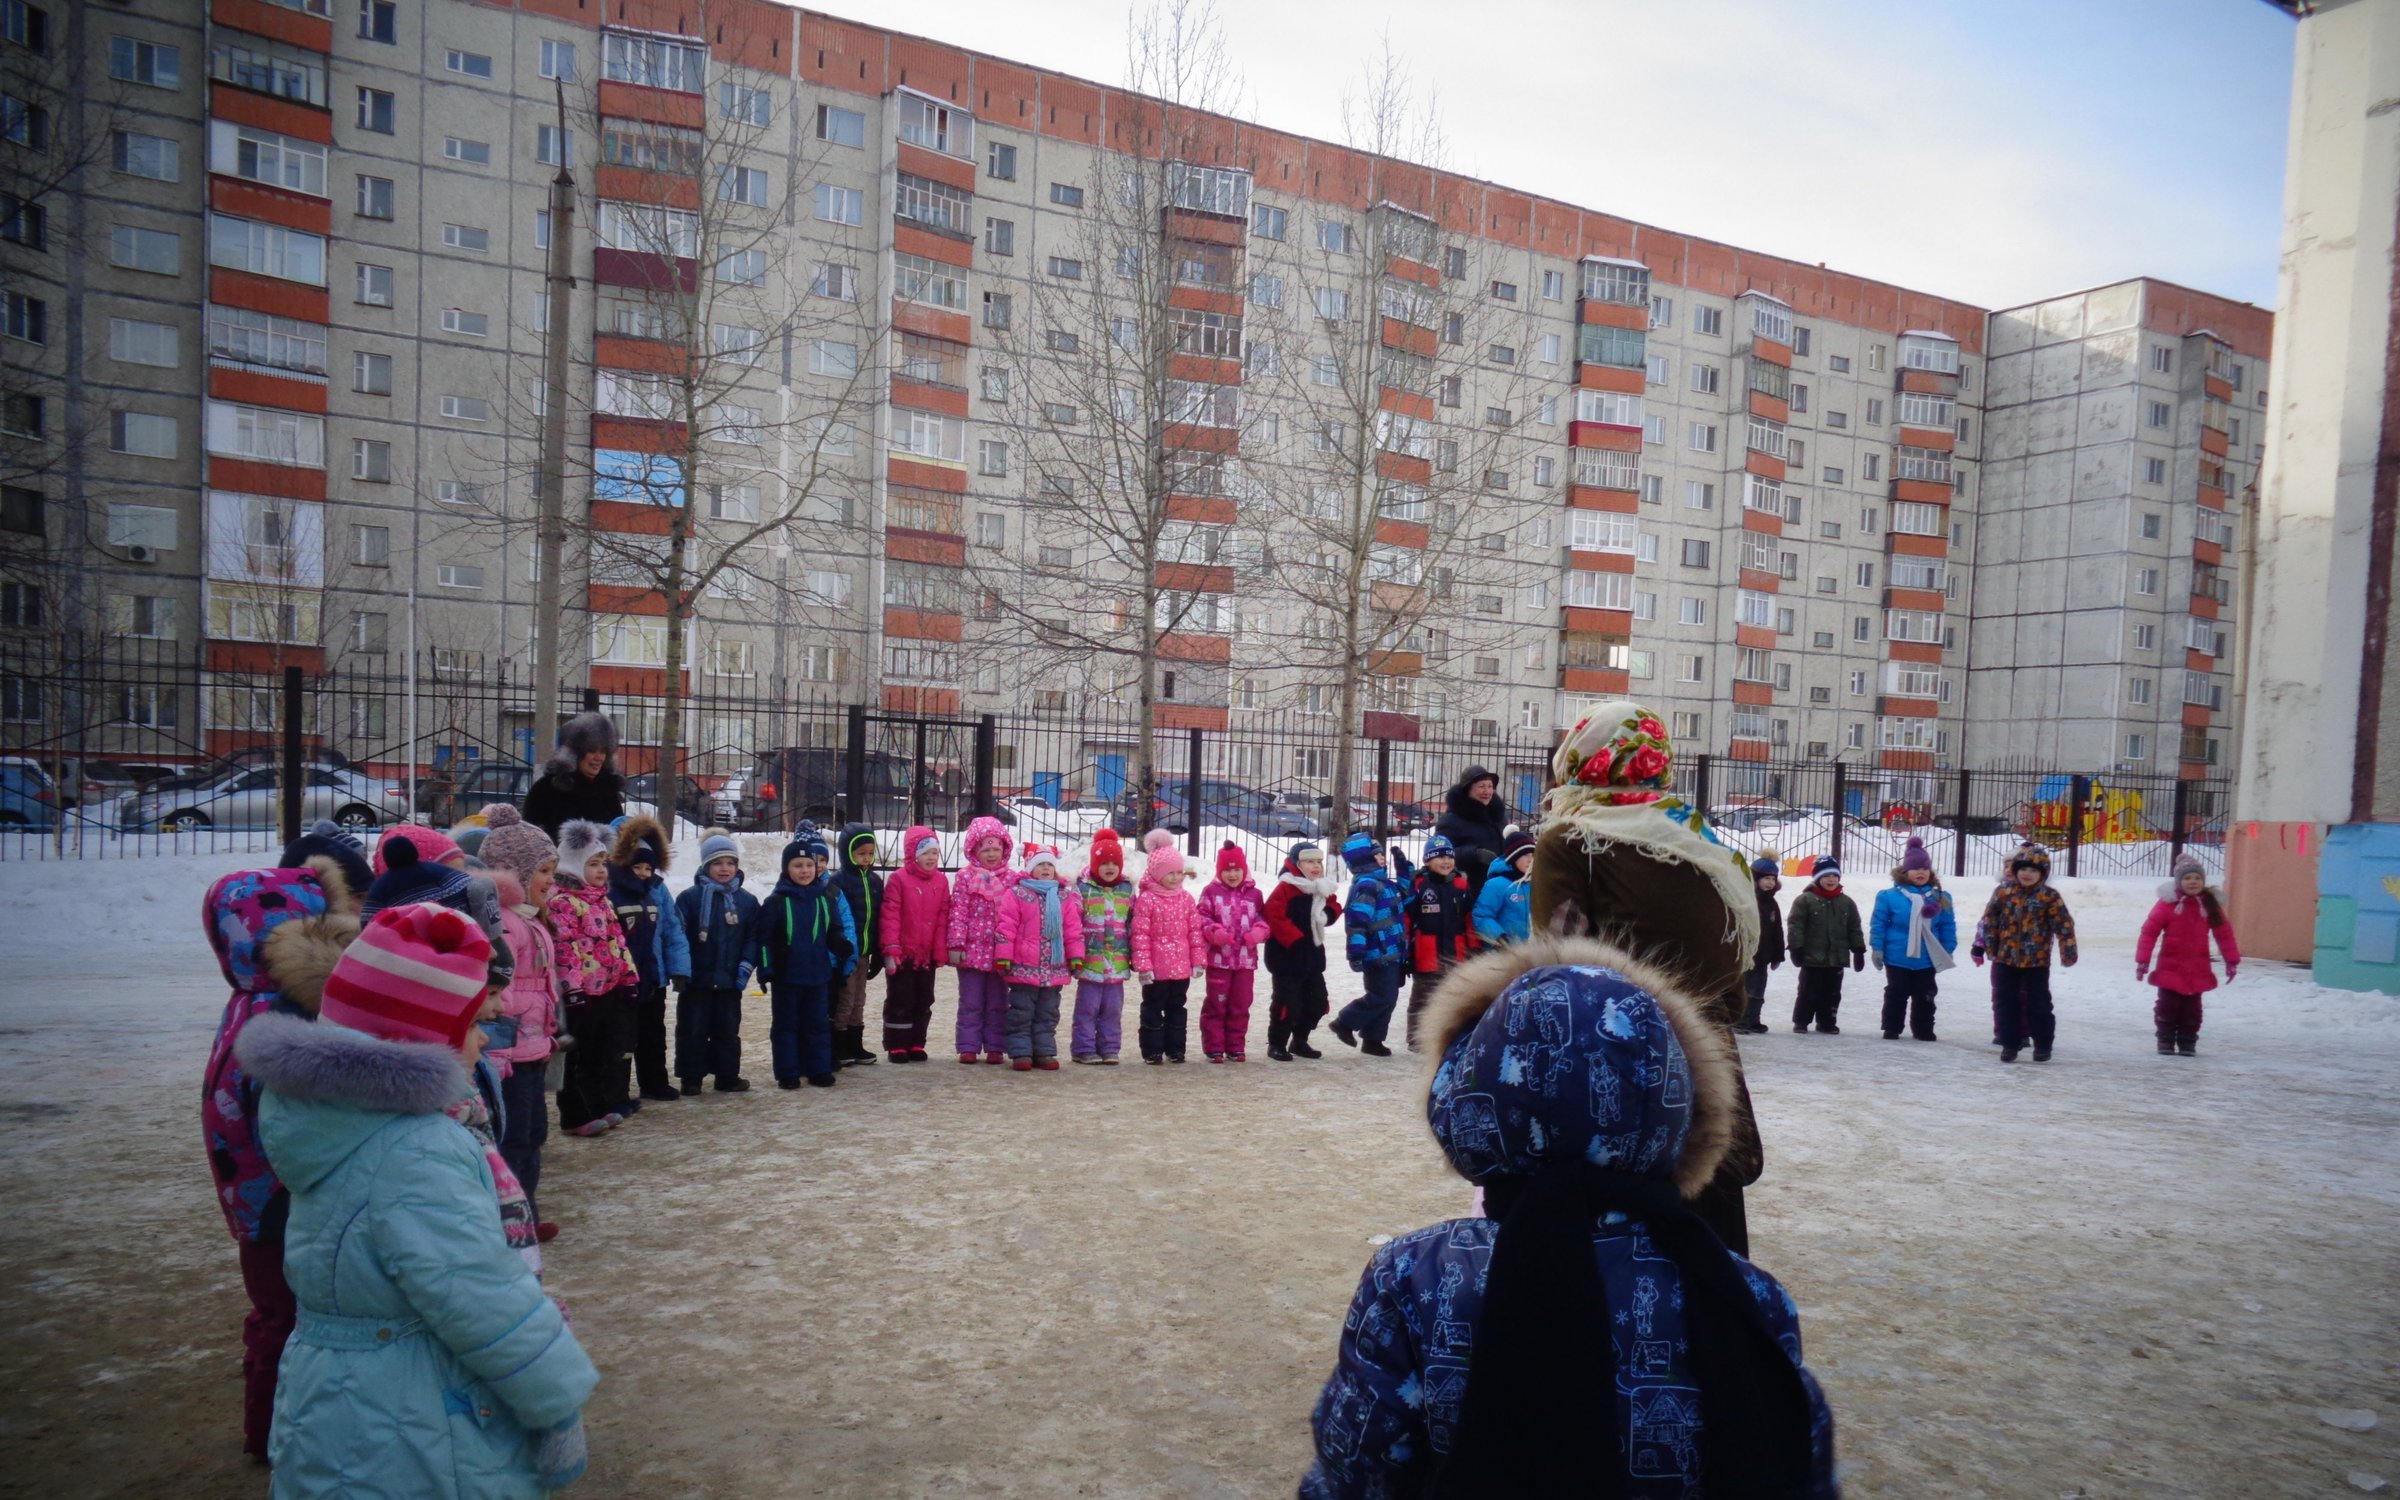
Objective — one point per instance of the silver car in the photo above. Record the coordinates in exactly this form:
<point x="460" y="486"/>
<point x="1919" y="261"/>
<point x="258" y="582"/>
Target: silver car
<point x="249" y="798"/>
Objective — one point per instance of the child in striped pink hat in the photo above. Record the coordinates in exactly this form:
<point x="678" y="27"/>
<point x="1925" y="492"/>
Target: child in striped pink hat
<point x="417" y="974"/>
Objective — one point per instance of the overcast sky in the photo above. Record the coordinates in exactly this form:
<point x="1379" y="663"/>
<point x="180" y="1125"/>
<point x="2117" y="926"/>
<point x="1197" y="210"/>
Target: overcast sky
<point x="1999" y="151"/>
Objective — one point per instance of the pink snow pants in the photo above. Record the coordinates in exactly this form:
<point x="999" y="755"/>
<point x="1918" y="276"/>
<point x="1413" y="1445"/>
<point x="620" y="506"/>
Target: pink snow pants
<point x="1225" y="1014"/>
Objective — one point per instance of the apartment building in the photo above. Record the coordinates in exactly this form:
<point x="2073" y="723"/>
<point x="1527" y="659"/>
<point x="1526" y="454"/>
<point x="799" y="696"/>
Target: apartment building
<point x="2124" y="445"/>
<point x="298" y="282"/>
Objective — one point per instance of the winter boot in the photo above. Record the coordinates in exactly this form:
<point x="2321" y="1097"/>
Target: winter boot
<point x="2008" y="1054"/>
<point x="2041" y="1054"/>
<point x="1374" y="1049"/>
<point x="820" y="1080"/>
<point x="733" y="1085"/>
<point x="2187" y="1043"/>
<point x="1279" y="1052"/>
<point x="1342" y="1033"/>
<point x="691" y="1085"/>
<point x="970" y="1057"/>
<point x="663" y="1094"/>
<point x="860" y="1053"/>
<point x="2166" y="1044"/>
<point x="1301" y="1048"/>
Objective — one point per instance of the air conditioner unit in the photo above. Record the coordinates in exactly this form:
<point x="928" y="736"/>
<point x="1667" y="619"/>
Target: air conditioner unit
<point x="141" y="554"/>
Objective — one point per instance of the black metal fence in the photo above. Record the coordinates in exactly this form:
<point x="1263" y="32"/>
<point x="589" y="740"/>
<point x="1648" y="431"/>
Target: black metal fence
<point x="159" y="752"/>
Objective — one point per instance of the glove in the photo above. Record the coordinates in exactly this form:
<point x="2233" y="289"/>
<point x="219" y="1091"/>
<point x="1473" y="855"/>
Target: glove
<point x="1858" y="963"/>
<point x="1775" y="964"/>
<point x="2142" y="972"/>
<point x="743" y="977"/>
<point x="958" y="958"/>
<point x="1976" y="953"/>
<point x="2230" y="971"/>
<point x="560" y="1454"/>
<point x="875" y="966"/>
<point x="1876" y="958"/>
<point x="1000" y="965"/>
<point x="681" y="982"/>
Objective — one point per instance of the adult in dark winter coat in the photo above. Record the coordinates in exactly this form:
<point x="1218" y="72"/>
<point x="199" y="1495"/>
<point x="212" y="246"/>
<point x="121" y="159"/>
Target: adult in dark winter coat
<point x="1476" y="824"/>
<point x="1622" y="859"/>
<point x="581" y="779"/>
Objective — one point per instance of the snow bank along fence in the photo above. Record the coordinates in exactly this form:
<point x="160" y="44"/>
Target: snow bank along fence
<point x="158" y="750"/>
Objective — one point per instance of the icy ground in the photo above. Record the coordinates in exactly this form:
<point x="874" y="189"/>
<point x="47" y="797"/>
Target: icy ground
<point x="2112" y="1275"/>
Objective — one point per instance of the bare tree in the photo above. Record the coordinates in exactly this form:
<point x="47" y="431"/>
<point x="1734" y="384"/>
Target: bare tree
<point x="1408" y="391"/>
<point x="1127" y="363"/>
<point x="739" y="379"/>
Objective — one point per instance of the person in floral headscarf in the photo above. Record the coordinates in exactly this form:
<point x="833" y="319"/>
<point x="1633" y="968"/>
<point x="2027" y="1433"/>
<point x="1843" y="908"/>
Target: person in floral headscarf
<point x="1623" y="859"/>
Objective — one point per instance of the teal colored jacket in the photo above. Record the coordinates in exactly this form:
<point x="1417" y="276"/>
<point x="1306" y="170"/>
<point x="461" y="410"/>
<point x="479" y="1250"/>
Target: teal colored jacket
<point x="427" y="1360"/>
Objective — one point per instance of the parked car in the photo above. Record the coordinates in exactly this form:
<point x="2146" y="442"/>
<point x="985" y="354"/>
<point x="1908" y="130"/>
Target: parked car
<point x="725" y="804"/>
<point x="812" y="782"/>
<point x="104" y="782"/>
<point x="1221" y="802"/>
<point x="249" y="798"/>
<point x="489" y="783"/>
<point x="692" y="800"/>
<point x="28" y="797"/>
<point x="1974" y="824"/>
<point x="249" y="758"/>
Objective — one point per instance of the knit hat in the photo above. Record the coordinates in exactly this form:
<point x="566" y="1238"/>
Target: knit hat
<point x="2029" y="854"/>
<point x="2189" y="865"/>
<point x="1517" y="843"/>
<point x="578" y="840"/>
<point x="1231" y="857"/>
<point x="1160" y="857"/>
<point x="917" y="838"/>
<point x="408" y="878"/>
<point x="470" y="842"/>
<point x="1915" y="857"/>
<point x="433" y="845"/>
<point x="807" y="843"/>
<point x="1300" y="850"/>
<point x="1766" y="864"/>
<point x="1439" y="845"/>
<point x="1358" y="850"/>
<point x="1038" y="854"/>
<point x="1107" y="849"/>
<point x="718" y="844"/>
<point x="1826" y="865"/>
<point x="515" y="845"/>
<point x="326" y="837"/>
<point x="417" y="974"/>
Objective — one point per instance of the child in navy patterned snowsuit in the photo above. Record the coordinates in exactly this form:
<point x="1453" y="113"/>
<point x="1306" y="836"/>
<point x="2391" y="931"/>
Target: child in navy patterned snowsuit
<point x="1596" y="1320"/>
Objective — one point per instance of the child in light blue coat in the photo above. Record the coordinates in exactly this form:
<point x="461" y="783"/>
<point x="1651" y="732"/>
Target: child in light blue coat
<point x="1504" y="908"/>
<point x="1911" y="937"/>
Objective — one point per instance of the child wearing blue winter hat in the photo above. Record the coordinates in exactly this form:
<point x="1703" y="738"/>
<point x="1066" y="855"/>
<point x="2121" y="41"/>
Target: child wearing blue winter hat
<point x="1441" y="925"/>
<point x="806" y="943"/>
<point x="1375" y="932"/>
<point x="1589" y="1335"/>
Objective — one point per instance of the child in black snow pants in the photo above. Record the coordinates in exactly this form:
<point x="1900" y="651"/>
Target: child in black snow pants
<point x="2017" y="927"/>
<point x="1824" y="934"/>
<point x="1767" y="875"/>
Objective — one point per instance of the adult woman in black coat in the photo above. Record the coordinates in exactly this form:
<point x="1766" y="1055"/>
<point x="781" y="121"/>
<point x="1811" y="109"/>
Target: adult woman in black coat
<point x="581" y="779"/>
<point x="1476" y="824"/>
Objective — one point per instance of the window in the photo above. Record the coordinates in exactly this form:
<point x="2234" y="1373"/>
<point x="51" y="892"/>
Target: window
<point x="141" y="434"/>
<point x="2137" y="690"/>
<point x="1001" y="164"/>
<point x="473" y="153"/>
<point x="374" y="285"/>
<point x="1695" y="552"/>
<point x="1912" y="625"/>
<point x="1545" y="471"/>
<point x="2145" y="637"/>
<point x="375" y="111"/>
<point x="371" y="374"/>
<point x="1590" y="589"/>
<point x="929" y="435"/>
<point x="28" y="318"/>
<point x="1877" y="358"/>
<point x="840" y="205"/>
<point x="1703" y="437"/>
<point x="654" y="61"/>
<point x="267" y="67"/>
<point x="936" y="126"/>
<point x="557" y="60"/>
<point x="26" y="26"/>
<point x="996" y="309"/>
<point x="2152" y="525"/>
<point x="466" y="408"/>
<point x="2161" y="414"/>
<point x="374" y="197"/>
<point x="1709" y="321"/>
<point x="1066" y="268"/>
<point x="1066" y="196"/>
<point x="1334" y="235"/>
<point x="1654" y="488"/>
<point x="267" y="249"/>
<point x="149" y="63"/>
<point x="472" y="238"/>
<point x="2137" y="746"/>
<point x="150" y="156"/>
<point x="1699" y="495"/>
<point x="130" y="340"/>
<point x="744" y="105"/>
<point x="1268" y="222"/>
<point x="553" y="147"/>
<point x="370" y="461"/>
<point x="2145" y="580"/>
<point x="917" y="278"/>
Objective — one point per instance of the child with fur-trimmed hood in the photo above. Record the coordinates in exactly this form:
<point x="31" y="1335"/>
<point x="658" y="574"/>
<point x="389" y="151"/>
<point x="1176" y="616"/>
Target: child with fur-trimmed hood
<point x="597" y="969"/>
<point x="2189" y="913"/>
<point x="662" y="955"/>
<point x="1590" y="1334"/>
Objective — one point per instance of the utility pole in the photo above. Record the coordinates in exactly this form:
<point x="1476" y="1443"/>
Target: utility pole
<point x="548" y="605"/>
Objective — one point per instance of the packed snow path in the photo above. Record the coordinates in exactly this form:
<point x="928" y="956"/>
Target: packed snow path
<point x="2114" y="1274"/>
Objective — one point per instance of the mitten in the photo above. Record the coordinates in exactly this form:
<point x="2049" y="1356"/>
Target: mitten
<point x="560" y="1454"/>
<point x="2142" y="972"/>
<point x="1776" y="964"/>
<point x="682" y="982"/>
<point x="1000" y="965"/>
<point x="1858" y="963"/>
<point x="1876" y="958"/>
<point x="958" y="958"/>
<point x="2230" y="971"/>
<point x="1976" y="953"/>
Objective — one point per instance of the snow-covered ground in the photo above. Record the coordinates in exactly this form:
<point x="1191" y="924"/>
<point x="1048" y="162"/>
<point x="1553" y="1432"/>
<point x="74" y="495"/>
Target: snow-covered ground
<point x="2114" y="1274"/>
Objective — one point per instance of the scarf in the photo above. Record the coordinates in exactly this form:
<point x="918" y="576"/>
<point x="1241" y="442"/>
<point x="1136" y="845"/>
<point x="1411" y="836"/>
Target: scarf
<point x="990" y="885"/>
<point x="1596" y="819"/>
<point x="516" y="1210"/>
<point x="1317" y="892"/>
<point x="1921" y="940"/>
<point x="1054" y="930"/>
<point x="1538" y="1420"/>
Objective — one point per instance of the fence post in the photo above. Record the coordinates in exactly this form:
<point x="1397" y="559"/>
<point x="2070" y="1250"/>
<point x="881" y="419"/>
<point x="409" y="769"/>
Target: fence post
<point x="1958" y="866"/>
<point x="1191" y="800"/>
<point x="854" y="766"/>
<point x="291" y="757"/>
<point x="1841" y="795"/>
<point x="987" y="762"/>
<point x="1700" y="784"/>
<point x="916" y="784"/>
<point x="1383" y="793"/>
<point x="2183" y="810"/>
<point x="591" y="705"/>
<point x="2079" y="791"/>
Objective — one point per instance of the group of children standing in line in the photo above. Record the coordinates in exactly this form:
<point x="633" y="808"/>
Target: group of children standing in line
<point x="1914" y="930"/>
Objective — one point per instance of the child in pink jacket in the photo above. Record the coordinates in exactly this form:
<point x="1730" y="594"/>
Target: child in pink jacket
<point x="915" y="927"/>
<point x="1233" y="922"/>
<point x="1041" y="936"/>
<point x="974" y="933"/>
<point x="2187" y="915"/>
<point x="1166" y="948"/>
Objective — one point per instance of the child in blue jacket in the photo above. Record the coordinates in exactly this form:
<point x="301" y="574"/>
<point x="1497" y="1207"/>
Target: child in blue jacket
<point x="720" y="929"/>
<point x="1504" y="909"/>
<point x="1910" y="938"/>
<point x="1375" y="922"/>
<point x="637" y="888"/>
<point x="806" y="944"/>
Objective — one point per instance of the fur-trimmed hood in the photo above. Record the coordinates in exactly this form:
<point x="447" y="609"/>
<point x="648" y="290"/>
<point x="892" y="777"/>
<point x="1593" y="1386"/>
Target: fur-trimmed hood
<point x="640" y="838"/>
<point x="1573" y="1043"/>
<point x="279" y="931"/>
<point x="346" y="1082"/>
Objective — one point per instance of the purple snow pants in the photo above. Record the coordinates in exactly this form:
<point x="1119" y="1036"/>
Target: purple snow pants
<point x="1099" y="1018"/>
<point x="982" y="1012"/>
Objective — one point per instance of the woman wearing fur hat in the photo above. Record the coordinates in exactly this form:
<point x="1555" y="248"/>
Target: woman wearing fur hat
<point x="2189" y="912"/>
<point x="1233" y="922"/>
<point x="276" y="934"/>
<point x="597" y="968"/>
<point x="411" y="1301"/>
<point x="1592" y="1336"/>
<point x="1911" y="937"/>
<point x="637" y="892"/>
<point x="580" y="780"/>
<point x="1623" y="859"/>
<point x="1306" y="899"/>
<point x="1475" y="821"/>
